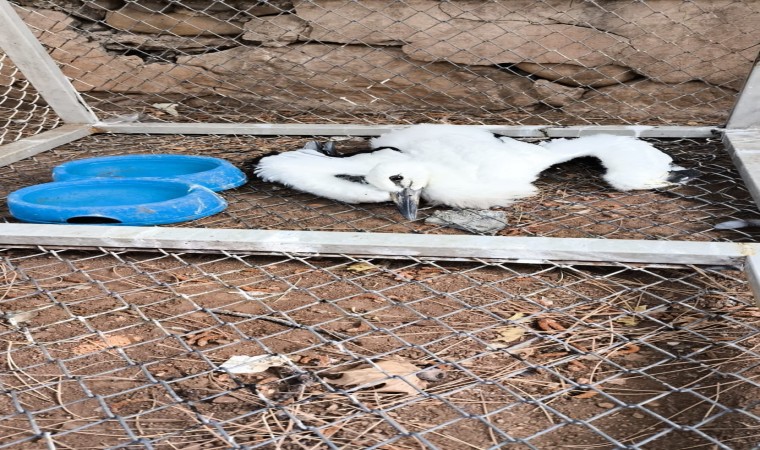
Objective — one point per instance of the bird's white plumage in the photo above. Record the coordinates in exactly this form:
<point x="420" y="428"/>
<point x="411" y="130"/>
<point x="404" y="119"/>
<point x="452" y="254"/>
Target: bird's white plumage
<point x="631" y="163"/>
<point x="311" y="171"/>
<point x="462" y="166"/>
<point x="469" y="166"/>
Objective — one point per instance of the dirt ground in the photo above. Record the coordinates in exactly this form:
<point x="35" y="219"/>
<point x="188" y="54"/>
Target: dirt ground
<point x="118" y="349"/>
<point x="573" y="201"/>
<point x="122" y="350"/>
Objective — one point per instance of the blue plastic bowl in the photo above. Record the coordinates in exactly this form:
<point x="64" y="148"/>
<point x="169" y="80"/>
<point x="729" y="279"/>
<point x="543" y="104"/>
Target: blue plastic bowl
<point x="213" y="173"/>
<point x="114" y="202"/>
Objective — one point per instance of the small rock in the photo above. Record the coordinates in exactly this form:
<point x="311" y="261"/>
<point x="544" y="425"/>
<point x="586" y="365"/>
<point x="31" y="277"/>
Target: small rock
<point x="474" y="221"/>
<point x="225" y="399"/>
<point x="605" y="405"/>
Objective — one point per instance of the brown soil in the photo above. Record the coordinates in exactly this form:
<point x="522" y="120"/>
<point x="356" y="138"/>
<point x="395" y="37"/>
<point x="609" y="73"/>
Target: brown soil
<point x="574" y="200"/>
<point x="122" y="349"/>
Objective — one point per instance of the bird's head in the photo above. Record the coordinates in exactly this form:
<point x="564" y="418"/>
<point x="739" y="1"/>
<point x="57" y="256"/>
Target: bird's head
<point x="404" y="182"/>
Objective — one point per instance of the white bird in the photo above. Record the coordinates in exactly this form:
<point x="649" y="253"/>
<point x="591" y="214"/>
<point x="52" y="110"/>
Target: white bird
<point x="461" y="167"/>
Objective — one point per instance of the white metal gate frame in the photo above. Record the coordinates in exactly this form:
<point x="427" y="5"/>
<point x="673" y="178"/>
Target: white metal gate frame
<point x="741" y="136"/>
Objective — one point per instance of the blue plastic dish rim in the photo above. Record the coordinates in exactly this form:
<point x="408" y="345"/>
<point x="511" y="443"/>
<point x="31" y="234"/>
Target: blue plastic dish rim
<point x="214" y="203"/>
<point x="226" y="173"/>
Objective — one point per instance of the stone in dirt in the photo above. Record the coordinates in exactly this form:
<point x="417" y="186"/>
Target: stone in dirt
<point x="470" y="220"/>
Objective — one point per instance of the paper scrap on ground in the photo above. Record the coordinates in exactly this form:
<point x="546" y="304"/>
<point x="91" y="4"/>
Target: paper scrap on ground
<point x="254" y="364"/>
<point x="471" y="220"/>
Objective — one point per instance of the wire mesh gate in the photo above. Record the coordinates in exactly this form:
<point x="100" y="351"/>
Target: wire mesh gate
<point x="123" y="349"/>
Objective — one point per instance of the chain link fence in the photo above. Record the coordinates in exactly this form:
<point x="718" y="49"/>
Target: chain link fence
<point x="164" y="350"/>
<point x="574" y="200"/>
<point x="551" y="62"/>
<point x="109" y="349"/>
<point x="23" y="112"/>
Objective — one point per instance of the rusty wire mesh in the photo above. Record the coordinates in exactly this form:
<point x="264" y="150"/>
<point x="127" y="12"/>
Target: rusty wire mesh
<point x="23" y="112"/>
<point x="109" y="349"/>
<point x="553" y="62"/>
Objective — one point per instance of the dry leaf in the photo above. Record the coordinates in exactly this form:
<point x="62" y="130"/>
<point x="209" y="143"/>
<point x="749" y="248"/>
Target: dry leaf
<point x="170" y="108"/>
<point x="506" y="336"/>
<point x="379" y="379"/>
<point x="550" y="325"/>
<point x="418" y="274"/>
<point x="631" y="321"/>
<point x="587" y="394"/>
<point x="361" y="267"/>
<point x="204" y="338"/>
<point x="315" y="360"/>
<point x="251" y="290"/>
<point x="576" y="366"/>
<point x="626" y="350"/>
<point x="374" y="298"/>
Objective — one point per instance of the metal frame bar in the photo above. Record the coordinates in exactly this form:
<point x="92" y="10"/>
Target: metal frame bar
<point x="744" y="148"/>
<point x="31" y="58"/>
<point x="48" y="140"/>
<point x="518" y="249"/>
<point x="527" y="131"/>
<point x="746" y="112"/>
<point x="752" y="270"/>
<point x="35" y="63"/>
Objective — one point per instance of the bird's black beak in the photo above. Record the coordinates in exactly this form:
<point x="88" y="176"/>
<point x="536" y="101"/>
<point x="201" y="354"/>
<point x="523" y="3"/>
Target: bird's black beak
<point x="407" y="202"/>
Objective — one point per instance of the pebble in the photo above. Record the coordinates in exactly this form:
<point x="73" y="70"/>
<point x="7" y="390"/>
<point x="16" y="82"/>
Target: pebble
<point x="606" y="405"/>
<point x="638" y="415"/>
<point x="225" y="399"/>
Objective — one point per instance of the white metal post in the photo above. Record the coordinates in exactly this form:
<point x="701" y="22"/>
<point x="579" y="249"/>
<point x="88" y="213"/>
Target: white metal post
<point x="18" y="42"/>
<point x="746" y="112"/>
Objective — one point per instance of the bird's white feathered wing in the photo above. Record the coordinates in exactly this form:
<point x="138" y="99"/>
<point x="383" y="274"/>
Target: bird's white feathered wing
<point x="631" y="163"/>
<point x="311" y="171"/>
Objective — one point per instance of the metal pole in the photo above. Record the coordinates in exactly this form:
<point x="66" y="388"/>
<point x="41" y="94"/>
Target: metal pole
<point x="18" y="42"/>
